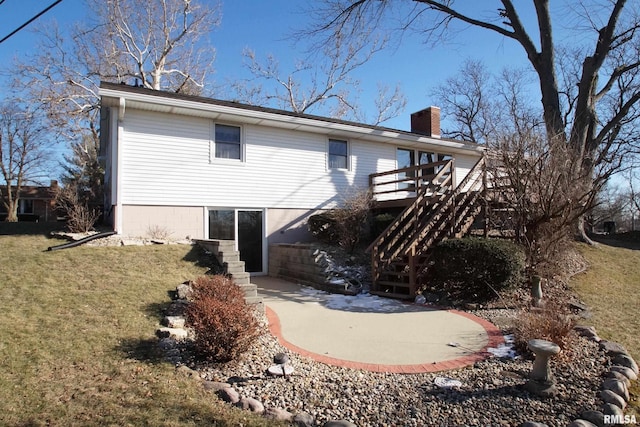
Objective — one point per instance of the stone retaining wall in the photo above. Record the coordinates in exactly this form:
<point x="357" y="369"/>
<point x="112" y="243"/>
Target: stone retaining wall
<point x="297" y="263"/>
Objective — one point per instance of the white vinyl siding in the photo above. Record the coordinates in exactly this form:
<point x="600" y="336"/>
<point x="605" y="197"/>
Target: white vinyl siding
<point x="166" y="161"/>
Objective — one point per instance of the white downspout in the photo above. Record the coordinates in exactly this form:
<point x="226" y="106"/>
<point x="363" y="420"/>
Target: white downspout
<point x="117" y="165"/>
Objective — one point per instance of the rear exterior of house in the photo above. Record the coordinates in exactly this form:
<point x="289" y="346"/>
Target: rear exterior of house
<point x="208" y="169"/>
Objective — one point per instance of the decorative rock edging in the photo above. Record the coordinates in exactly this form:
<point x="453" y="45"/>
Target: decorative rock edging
<point x="613" y="395"/>
<point x="174" y="332"/>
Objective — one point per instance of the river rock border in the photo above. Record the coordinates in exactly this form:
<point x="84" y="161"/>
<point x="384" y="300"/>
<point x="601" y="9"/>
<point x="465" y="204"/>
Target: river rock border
<point x="614" y="393"/>
<point x="173" y="333"/>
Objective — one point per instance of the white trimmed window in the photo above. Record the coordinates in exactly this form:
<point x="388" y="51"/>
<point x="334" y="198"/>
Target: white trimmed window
<point x="338" y="154"/>
<point x="227" y="142"/>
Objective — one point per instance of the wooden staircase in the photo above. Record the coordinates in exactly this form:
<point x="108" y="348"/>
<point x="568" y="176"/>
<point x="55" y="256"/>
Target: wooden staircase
<point x="438" y="211"/>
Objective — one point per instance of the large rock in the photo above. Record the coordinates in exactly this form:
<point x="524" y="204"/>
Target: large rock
<point x="177" y="334"/>
<point x="188" y="372"/>
<point x="626" y="371"/>
<point x="626" y="360"/>
<point x="588" y="332"/>
<point x="339" y="423"/>
<point x="611" y="409"/>
<point x="184" y="291"/>
<point x="215" y="386"/>
<point x="173" y="321"/>
<point x="304" y="420"/>
<point x="608" y="396"/>
<point x="594" y="417"/>
<point x="229" y="394"/>
<point x="612" y="348"/>
<point x="620" y="377"/>
<point x="167" y="344"/>
<point x="278" y="414"/>
<point x="533" y="424"/>
<point x="582" y="423"/>
<point x="177" y="308"/>
<point x="251" y="404"/>
<point x="616" y="386"/>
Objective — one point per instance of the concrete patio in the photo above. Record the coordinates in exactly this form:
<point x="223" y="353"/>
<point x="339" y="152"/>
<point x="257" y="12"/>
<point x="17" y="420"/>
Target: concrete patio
<point x="373" y="333"/>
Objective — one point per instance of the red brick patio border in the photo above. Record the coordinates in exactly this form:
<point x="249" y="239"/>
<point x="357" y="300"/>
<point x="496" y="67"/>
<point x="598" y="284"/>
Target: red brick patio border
<point x="494" y="335"/>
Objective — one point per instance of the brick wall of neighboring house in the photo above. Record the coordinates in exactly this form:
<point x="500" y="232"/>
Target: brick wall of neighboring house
<point x="36" y="203"/>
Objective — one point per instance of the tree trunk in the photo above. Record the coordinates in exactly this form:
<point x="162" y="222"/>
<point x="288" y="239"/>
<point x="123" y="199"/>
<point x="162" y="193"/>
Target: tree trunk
<point x="12" y="211"/>
<point x="582" y="234"/>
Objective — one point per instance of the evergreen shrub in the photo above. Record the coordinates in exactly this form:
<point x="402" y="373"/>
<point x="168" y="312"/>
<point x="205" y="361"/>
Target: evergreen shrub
<point x="467" y="269"/>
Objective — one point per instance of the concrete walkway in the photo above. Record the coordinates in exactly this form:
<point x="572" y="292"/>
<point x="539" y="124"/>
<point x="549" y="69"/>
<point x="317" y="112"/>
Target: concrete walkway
<point x="373" y="333"/>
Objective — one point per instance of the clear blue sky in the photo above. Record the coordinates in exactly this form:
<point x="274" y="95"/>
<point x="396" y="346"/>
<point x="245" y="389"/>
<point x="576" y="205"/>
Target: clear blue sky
<point x="264" y="26"/>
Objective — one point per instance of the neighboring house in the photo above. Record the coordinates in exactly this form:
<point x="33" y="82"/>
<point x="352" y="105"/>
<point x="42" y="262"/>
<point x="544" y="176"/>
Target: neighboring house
<point x="206" y="168"/>
<point x="35" y="203"/>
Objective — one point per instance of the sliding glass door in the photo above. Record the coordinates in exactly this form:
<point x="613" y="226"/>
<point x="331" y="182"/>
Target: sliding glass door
<point x="246" y="228"/>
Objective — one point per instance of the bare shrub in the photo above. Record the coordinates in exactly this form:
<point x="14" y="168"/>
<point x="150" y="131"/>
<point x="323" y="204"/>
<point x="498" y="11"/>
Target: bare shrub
<point x="343" y="226"/>
<point x="223" y="322"/>
<point x="80" y="217"/>
<point x="536" y="182"/>
<point x="553" y="323"/>
<point x="158" y="232"/>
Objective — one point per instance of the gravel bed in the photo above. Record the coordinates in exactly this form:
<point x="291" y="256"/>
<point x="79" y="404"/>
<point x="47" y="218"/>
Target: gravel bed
<point x="491" y="393"/>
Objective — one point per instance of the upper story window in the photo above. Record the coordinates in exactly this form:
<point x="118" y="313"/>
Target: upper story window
<point x="227" y="142"/>
<point x="338" y="154"/>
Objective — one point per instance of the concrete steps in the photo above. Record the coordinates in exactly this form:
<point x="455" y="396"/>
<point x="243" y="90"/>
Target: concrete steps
<point x="227" y="255"/>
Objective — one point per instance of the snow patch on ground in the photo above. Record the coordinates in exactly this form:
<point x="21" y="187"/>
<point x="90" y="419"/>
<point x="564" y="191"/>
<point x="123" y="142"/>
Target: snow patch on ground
<point x="505" y="350"/>
<point x="363" y="302"/>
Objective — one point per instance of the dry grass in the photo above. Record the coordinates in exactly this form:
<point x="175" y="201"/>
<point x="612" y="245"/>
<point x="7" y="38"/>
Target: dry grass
<point x="553" y="323"/>
<point x="77" y="345"/>
<point x="611" y="288"/>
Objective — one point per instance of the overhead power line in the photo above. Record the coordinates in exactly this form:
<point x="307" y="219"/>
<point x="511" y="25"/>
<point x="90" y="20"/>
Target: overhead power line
<point x="30" y="20"/>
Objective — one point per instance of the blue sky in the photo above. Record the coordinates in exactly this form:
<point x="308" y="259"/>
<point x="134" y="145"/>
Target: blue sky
<point x="264" y="26"/>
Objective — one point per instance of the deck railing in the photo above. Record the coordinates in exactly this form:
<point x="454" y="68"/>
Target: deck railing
<point x="406" y="182"/>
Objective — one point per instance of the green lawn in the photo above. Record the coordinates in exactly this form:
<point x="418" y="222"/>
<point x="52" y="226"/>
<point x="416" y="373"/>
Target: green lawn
<point x="611" y="288"/>
<point x="77" y="342"/>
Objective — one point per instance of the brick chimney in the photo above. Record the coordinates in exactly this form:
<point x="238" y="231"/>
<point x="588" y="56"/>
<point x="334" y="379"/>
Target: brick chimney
<point x="426" y="122"/>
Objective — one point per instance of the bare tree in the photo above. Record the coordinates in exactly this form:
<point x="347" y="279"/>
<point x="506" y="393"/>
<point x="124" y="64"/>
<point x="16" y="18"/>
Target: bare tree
<point x="161" y="44"/>
<point x="534" y="192"/>
<point x="23" y="152"/>
<point x="466" y="99"/>
<point x="612" y="204"/>
<point x="594" y="105"/>
<point x="325" y="80"/>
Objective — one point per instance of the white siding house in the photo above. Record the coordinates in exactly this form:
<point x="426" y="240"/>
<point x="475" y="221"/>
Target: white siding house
<point x="206" y="168"/>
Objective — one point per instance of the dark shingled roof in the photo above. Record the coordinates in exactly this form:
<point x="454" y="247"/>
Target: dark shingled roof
<point x="172" y="95"/>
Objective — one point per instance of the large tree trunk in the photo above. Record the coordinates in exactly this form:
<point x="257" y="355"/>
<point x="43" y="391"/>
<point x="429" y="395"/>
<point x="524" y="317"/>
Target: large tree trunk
<point x="12" y="211"/>
<point x="582" y="233"/>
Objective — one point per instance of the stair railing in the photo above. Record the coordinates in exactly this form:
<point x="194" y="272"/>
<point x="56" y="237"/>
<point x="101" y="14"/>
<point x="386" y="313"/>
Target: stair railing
<point x="392" y="242"/>
<point x="439" y="211"/>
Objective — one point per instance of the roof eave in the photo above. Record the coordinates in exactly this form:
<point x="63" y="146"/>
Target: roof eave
<point x="183" y="106"/>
